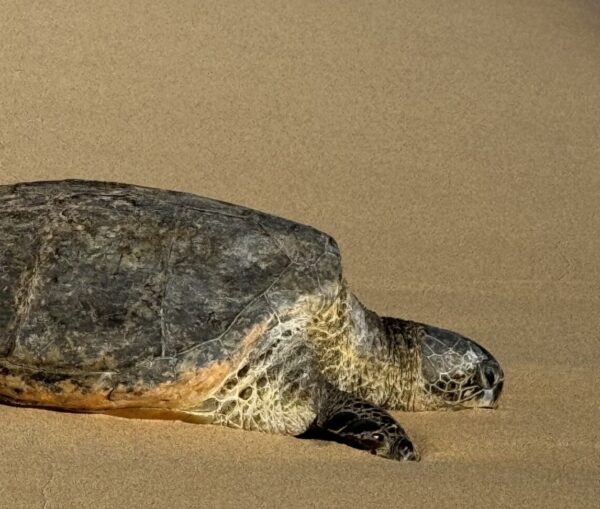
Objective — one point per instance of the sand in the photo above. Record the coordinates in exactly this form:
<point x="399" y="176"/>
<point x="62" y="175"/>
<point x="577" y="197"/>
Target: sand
<point x="453" y="150"/>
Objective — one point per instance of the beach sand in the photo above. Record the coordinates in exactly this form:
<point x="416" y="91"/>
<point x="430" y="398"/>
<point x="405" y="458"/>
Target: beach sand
<point x="452" y="149"/>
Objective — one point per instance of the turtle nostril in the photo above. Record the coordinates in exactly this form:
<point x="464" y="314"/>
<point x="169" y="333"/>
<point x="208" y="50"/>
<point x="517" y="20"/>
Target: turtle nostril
<point x="491" y="375"/>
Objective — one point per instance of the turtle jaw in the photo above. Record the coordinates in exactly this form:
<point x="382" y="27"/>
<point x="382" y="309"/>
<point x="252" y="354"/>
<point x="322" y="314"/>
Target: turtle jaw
<point x="485" y="398"/>
<point x="489" y="397"/>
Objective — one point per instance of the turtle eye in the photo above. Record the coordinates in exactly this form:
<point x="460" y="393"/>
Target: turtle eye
<point x="378" y="437"/>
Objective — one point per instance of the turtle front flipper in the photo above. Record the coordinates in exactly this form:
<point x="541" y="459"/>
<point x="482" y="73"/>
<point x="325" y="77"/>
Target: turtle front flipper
<point x="360" y="424"/>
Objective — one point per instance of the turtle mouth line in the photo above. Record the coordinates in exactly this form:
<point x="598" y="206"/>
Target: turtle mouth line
<point x="486" y="398"/>
<point x="478" y="398"/>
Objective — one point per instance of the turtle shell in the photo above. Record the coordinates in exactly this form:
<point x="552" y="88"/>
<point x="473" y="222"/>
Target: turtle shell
<point x="114" y="291"/>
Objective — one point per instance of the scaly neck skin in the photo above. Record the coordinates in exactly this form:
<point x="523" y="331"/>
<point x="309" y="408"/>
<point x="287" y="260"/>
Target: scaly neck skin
<point x="367" y="355"/>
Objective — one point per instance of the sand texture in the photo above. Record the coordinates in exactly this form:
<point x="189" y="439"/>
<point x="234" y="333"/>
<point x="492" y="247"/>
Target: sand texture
<point x="452" y="149"/>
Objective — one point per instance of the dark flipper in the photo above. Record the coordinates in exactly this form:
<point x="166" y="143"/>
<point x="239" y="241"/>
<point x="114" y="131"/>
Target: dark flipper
<point x="354" y="421"/>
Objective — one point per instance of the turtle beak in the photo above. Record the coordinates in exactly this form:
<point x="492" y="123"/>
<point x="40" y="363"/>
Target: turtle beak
<point x="492" y="381"/>
<point x="489" y="398"/>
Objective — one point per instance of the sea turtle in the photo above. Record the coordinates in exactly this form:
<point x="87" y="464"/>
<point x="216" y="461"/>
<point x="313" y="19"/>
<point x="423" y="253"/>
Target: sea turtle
<point x="133" y="301"/>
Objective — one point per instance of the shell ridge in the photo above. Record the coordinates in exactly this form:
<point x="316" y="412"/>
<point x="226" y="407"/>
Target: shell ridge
<point x="25" y="295"/>
<point x="209" y="211"/>
<point x="164" y="329"/>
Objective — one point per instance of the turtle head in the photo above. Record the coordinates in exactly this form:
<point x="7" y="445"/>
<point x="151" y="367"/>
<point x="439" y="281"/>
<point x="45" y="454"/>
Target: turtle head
<point x="456" y="372"/>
